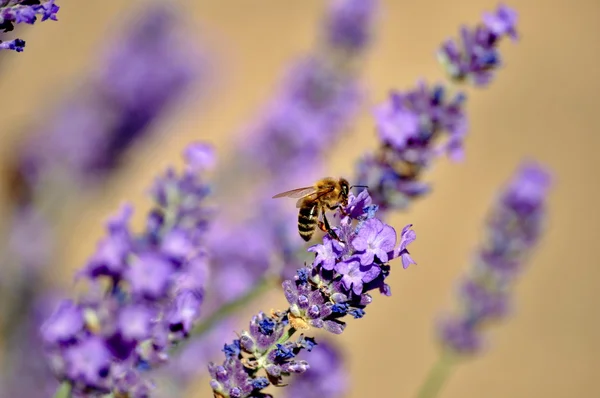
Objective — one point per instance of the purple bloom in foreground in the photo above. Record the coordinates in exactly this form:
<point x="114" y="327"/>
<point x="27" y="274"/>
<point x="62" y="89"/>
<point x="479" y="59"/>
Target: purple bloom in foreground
<point x="476" y="57"/>
<point x="155" y="281"/>
<point x="514" y="228"/>
<point x="336" y="284"/>
<point x="375" y="239"/>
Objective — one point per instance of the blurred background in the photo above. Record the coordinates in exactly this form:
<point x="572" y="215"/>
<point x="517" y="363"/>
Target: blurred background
<point x="542" y="105"/>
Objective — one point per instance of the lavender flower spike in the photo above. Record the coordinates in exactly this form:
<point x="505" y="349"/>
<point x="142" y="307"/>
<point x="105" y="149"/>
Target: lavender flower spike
<point x="476" y="57"/>
<point x="106" y="341"/>
<point x="21" y="11"/>
<point x="513" y="229"/>
<point x="336" y="284"/>
<point x="414" y="127"/>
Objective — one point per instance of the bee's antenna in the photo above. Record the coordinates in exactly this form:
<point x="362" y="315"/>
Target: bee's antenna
<point x="359" y="186"/>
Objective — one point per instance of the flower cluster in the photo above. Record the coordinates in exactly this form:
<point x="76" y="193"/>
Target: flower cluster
<point x="476" y="57"/>
<point x="154" y="288"/>
<point x="414" y="128"/>
<point x="321" y="295"/>
<point x="23" y="11"/>
<point x="417" y="126"/>
<point x="514" y="228"/>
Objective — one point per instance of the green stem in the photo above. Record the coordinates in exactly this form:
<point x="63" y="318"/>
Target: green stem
<point x="437" y="376"/>
<point x="229" y="309"/>
<point x="64" y="390"/>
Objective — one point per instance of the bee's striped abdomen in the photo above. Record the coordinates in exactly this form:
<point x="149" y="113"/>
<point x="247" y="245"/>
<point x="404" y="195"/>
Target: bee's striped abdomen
<point x="307" y="220"/>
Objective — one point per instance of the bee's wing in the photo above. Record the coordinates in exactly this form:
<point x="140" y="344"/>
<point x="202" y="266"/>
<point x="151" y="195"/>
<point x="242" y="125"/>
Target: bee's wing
<point x="313" y="196"/>
<point x="296" y="193"/>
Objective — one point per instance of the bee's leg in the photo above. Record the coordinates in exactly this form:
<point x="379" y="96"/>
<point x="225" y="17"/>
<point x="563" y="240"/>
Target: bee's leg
<point x="328" y="228"/>
<point x="340" y="207"/>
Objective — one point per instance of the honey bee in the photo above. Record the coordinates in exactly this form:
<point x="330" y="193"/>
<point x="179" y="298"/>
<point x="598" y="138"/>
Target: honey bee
<point x="326" y="194"/>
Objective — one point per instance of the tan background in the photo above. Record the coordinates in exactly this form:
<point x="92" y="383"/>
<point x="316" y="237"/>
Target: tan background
<point x="544" y="104"/>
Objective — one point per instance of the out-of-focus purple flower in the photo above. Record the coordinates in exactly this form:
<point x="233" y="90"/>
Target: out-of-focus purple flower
<point x="142" y="74"/>
<point x="348" y="24"/>
<point x="17" y="45"/>
<point x="514" y="228"/>
<point x="414" y="127"/>
<point x="64" y="325"/>
<point x="318" y="298"/>
<point x="476" y="57"/>
<point x="155" y="289"/>
<point x="312" y="109"/>
<point x="326" y="378"/>
<point x="30" y="238"/>
<point x="89" y="362"/>
<point x="200" y="156"/>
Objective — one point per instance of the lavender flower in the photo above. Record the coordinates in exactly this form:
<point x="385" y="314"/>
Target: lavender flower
<point x="476" y="57"/>
<point x="318" y="298"/>
<point x="415" y="128"/>
<point x="155" y="279"/>
<point x="23" y="11"/>
<point x="17" y="45"/>
<point x="418" y="126"/>
<point x="513" y="229"/>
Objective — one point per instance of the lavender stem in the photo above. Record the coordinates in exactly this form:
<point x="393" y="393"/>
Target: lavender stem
<point x="64" y="391"/>
<point x="437" y="376"/>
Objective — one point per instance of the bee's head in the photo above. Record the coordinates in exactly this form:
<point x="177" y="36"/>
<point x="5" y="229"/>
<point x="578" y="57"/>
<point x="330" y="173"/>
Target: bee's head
<point x="345" y="187"/>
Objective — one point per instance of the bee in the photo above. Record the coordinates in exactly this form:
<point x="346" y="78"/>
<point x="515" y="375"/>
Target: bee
<point x="326" y="194"/>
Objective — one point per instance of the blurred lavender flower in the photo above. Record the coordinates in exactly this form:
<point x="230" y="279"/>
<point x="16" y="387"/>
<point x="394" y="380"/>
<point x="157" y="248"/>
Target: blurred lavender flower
<point x="326" y="377"/>
<point x="513" y="230"/>
<point x="476" y="57"/>
<point x="318" y="298"/>
<point x="156" y="284"/>
<point x="142" y="75"/>
<point x="414" y="127"/>
<point x="23" y="11"/>
<point x="318" y="98"/>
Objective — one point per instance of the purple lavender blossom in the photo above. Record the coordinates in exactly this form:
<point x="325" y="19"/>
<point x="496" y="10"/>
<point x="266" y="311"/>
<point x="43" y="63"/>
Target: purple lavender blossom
<point x="142" y="75"/>
<point x="17" y="45"/>
<point x="415" y="128"/>
<point x="21" y="11"/>
<point x="514" y="228"/>
<point x="476" y="57"/>
<point x="105" y="342"/>
<point x="318" y="298"/>
<point x="326" y="378"/>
